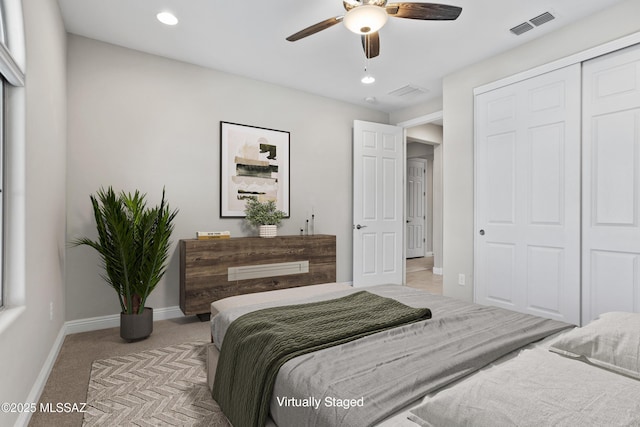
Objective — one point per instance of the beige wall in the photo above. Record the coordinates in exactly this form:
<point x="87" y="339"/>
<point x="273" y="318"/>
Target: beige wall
<point x="26" y="343"/>
<point x="426" y="132"/>
<point x="419" y="110"/>
<point x="138" y="121"/>
<point x="615" y="22"/>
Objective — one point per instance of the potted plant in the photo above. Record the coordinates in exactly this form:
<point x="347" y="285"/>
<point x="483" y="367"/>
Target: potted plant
<point x="133" y="243"/>
<point x="264" y="215"/>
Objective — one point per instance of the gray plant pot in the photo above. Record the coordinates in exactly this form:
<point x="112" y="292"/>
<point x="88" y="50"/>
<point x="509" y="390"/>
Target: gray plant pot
<point x="136" y="326"/>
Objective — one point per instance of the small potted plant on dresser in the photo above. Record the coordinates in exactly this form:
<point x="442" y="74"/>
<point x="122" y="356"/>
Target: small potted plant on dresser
<point x="264" y="215"/>
<point x="133" y="243"/>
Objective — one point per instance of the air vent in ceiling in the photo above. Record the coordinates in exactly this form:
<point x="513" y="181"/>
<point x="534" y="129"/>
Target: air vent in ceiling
<point x="408" y="91"/>
<point x="529" y="25"/>
<point x="521" y="29"/>
<point x="542" y="19"/>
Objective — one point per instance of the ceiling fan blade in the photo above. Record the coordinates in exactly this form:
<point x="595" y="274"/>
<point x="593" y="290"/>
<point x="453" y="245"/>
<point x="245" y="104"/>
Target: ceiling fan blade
<point x="371" y="44"/>
<point x="315" y="28"/>
<point x="425" y="11"/>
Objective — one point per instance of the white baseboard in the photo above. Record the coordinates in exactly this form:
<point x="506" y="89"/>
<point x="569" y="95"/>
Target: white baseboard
<point x="73" y="327"/>
<point x="437" y="271"/>
<point x="113" y="320"/>
<point x="43" y="376"/>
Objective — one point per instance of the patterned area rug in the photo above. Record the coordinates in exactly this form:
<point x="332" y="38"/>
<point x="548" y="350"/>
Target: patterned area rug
<point x="159" y="387"/>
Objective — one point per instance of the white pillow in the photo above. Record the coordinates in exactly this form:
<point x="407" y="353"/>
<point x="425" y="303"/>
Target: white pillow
<point x="612" y="342"/>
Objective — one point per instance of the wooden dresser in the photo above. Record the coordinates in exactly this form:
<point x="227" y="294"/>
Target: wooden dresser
<point x="214" y="269"/>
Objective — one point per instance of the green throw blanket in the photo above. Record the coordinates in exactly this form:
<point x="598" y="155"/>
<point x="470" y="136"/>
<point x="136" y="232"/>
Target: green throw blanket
<point x="257" y="344"/>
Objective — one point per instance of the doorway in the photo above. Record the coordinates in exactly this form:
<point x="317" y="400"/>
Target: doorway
<point x="423" y="139"/>
<point x="368" y="211"/>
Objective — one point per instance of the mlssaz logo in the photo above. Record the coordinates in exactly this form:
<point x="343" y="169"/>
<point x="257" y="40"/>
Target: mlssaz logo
<point x="63" y="407"/>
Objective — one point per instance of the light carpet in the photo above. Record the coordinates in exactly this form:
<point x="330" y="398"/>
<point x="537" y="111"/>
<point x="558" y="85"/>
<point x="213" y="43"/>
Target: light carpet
<point x="159" y="387"/>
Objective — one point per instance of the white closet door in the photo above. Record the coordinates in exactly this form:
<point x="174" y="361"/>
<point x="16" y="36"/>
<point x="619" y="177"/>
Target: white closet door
<point x="611" y="189"/>
<point x="527" y="246"/>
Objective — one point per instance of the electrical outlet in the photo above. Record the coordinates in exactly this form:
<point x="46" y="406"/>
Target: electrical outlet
<point x="51" y="310"/>
<point x="461" y="279"/>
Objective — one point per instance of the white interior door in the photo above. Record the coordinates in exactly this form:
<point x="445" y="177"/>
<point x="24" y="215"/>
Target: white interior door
<point x="378" y="223"/>
<point x="527" y="246"/>
<point x="415" y="213"/>
<point x="611" y="183"/>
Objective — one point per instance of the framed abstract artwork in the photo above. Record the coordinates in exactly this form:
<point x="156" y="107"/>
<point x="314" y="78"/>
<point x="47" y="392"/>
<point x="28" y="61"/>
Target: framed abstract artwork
<point x="254" y="163"/>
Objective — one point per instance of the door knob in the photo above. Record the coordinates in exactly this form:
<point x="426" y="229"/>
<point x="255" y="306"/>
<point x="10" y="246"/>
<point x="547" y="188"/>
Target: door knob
<point x="360" y="226"/>
<point x="481" y="232"/>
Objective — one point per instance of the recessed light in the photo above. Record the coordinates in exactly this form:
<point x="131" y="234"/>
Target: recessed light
<point x="368" y="79"/>
<point x="167" y="18"/>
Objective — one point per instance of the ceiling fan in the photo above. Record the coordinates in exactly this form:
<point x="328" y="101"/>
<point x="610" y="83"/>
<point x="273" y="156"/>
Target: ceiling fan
<point x="366" y="17"/>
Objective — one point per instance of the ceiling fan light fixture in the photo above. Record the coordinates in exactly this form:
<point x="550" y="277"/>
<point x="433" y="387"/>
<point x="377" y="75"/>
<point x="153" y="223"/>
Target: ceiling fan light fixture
<point x="365" y="19"/>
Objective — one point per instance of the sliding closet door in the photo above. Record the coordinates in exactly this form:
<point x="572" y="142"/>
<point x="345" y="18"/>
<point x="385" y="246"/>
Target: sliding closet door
<point x="527" y="243"/>
<point x="611" y="190"/>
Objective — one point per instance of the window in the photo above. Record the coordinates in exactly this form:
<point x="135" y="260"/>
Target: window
<point x="2" y="192"/>
<point x="11" y="157"/>
<point x="2" y="168"/>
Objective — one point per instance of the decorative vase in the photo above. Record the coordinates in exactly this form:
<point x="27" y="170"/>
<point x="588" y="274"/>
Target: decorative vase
<point x="136" y="326"/>
<point x="268" y="230"/>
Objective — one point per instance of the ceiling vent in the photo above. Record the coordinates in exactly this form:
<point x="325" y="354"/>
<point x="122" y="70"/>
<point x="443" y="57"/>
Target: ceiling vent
<point x="521" y="29"/>
<point x="408" y="91"/>
<point x="529" y="25"/>
<point x="542" y="19"/>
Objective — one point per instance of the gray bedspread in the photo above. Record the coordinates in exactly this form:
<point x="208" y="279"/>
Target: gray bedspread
<point x="537" y="388"/>
<point x="363" y="382"/>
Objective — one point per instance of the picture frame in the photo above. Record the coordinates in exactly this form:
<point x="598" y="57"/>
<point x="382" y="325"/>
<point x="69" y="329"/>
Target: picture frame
<point x="254" y="163"/>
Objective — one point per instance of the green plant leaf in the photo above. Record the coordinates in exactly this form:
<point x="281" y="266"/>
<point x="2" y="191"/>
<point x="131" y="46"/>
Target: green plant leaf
<point x="133" y="243"/>
<point x="262" y="213"/>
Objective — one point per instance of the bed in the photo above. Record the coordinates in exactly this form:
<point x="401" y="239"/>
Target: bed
<point x="587" y="376"/>
<point x="414" y="374"/>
